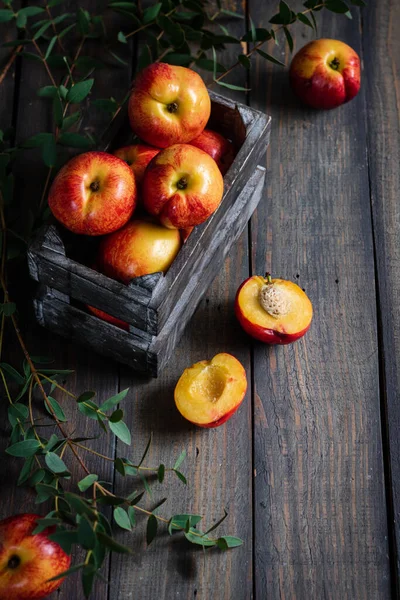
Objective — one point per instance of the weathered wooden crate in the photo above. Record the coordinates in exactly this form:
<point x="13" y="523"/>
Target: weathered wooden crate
<point x="157" y="307"/>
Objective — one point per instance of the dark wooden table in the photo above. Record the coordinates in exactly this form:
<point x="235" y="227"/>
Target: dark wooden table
<point x="309" y="466"/>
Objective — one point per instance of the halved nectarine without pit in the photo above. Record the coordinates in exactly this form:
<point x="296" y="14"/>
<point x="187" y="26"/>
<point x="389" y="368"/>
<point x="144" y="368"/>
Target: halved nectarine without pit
<point x="210" y="391"/>
<point x="274" y="311"/>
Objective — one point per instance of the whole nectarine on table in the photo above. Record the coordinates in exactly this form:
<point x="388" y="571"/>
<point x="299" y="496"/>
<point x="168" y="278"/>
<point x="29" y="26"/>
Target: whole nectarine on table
<point x="274" y="311"/>
<point x="325" y="73"/>
<point x="27" y="561"/>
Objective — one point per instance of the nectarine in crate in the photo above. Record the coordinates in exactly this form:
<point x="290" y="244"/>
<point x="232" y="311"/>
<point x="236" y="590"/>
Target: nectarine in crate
<point x="157" y="307"/>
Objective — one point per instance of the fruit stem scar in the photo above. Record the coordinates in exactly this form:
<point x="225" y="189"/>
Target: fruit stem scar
<point x="172" y="107"/>
<point x="14" y="562"/>
<point x="182" y="183"/>
<point x="95" y="185"/>
<point x="334" y="64"/>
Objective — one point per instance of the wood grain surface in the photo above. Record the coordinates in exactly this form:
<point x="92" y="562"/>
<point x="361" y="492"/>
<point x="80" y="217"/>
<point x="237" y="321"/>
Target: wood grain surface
<point x="381" y="51"/>
<point x="300" y="467"/>
<point x="319" y="480"/>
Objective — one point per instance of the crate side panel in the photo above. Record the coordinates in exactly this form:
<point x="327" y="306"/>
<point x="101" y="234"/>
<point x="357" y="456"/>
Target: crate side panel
<point x="99" y="336"/>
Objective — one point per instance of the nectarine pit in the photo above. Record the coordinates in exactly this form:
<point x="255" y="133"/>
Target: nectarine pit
<point x="172" y="107"/>
<point x="13" y="562"/>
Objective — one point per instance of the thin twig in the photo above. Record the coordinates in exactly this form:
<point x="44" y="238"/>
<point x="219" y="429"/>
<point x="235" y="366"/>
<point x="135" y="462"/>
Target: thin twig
<point x="13" y="56"/>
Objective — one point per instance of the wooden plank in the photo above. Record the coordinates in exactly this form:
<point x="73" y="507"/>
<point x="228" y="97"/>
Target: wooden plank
<point x="381" y="47"/>
<point x="91" y="372"/>
<point x="219" y="462"/>
<point x="320" y="514"/>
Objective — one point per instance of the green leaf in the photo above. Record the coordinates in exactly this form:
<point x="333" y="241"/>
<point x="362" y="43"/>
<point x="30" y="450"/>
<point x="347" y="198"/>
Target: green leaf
<point x="179" y="522"/>
<point x="117" y="416"/>
<point x="49" y="151"/>
<point x="285" y="12"/>
<point x="132" y="516"/>
<point x="41" y="30"/>
<point x="31" y="56"/>
<point x="70" y="120"/>
<point x="151" y="530"/>
<point x="43" y="524"/>
<point x="58" y="411"/>
<point x="83" y="21"/>
<point x="88" y="575"/>
<point x="151" y="13"/>
<point x="180" y="476"/>
<point x="6" y="15"/>
<point x="208" y="65"/>
<point x="17" y="413"/>
<point x="173" y="30"/>
<point x="87" y="410"/>
<point x="113" y="401"/>
<point x="26" y="470"/>
<point x="120" y="466"/>
<point x="66" y="30"/>
<point x="314" y="22"/>
<point x="21" y="20"/>
<point x="79" y="505"/>
<point x="50" y="47"/>
<point x="48" y="91"/>
<point x="57" y="110"/>
<point x="270" y="58"/>
<point x="228" y="541"/>
<point x="146" y="449"/>
<point x="85" y="396"/>
<point x="31" y="11"/>
<point x="8" y="308"/>
<point x="52" y="442"/>
<point x="134" y="498"/>
<point x="121" y="518"/>
<point x="244" y="60"/>
<point x="358" y="3"/>
<point x="12" y="373"/>
<point x="24" y="449"/>
<point x="145" y="57"/>
<point x="66" y="539"/>
<point x="75" y="140"/>
<point x="85" y="483"/>
<point x="121" y="430"/>
<point x="129" y="6"/>
<point x="288" y="38"/>
<point x="305" y="20"/>
<point x="86" y="535"/>
<point x="55" y="463"/>
<point x="55" y="3"/>
<point x="112" y="544"/>
<point x="193" y="536"/>
<point x="180" y="459"/>
<point x="49" y="491"/>
<point x="73" y="569"/>
<point x="79" y="91"/>
<point x="336" y="6"/>
<point x="122" y="38"/>
<point x="182" y="60"/>
<point x="161" y="473"/>
<point x="37" y="477"/>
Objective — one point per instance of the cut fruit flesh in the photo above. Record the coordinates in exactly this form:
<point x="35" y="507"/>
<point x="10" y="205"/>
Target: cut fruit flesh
<point x="299" y="308"/>
<point x="208" y="391"/>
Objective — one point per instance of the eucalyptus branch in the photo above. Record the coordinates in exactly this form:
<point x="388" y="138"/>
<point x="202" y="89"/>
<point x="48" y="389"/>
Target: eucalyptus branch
<point x="9" y="63"/>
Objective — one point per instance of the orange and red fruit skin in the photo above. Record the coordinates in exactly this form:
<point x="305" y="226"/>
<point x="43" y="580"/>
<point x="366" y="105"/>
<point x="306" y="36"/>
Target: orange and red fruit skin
<point x="93" y="194"/>
<point x="168" y="105"/>
<point x="325" y="73"/>
<point x="40" y="559"/>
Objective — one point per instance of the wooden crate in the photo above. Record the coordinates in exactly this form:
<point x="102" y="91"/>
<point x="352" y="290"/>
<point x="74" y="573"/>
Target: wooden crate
<point x="157" y="307"/>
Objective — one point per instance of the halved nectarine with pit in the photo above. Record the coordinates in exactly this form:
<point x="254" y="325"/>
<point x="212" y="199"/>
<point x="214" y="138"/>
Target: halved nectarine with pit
<point x="274" y="311"/>
<point x="210" y="391"/>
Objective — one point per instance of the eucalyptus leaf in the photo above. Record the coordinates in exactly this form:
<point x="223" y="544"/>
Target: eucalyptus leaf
<point x="80" y="91"/>
<point x="228" y="541"/>
<point x="113" y="401"/>
<point x="74" y="140"/>
<point x="151" y="530"/>
<point x="151" y="13"/>
<point x="13" y="373"/>
<point x="112" y="544"/>
<point x="55" y="463"/>
<point x="270" y="58"/>
<point x="121" y="518"/>
<point x="24" y="449"/>
<point x="6" y="15"/>
<point x="58" y="411"/>
<point x="85" y="483"/>
<point x="121" y="430"/>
